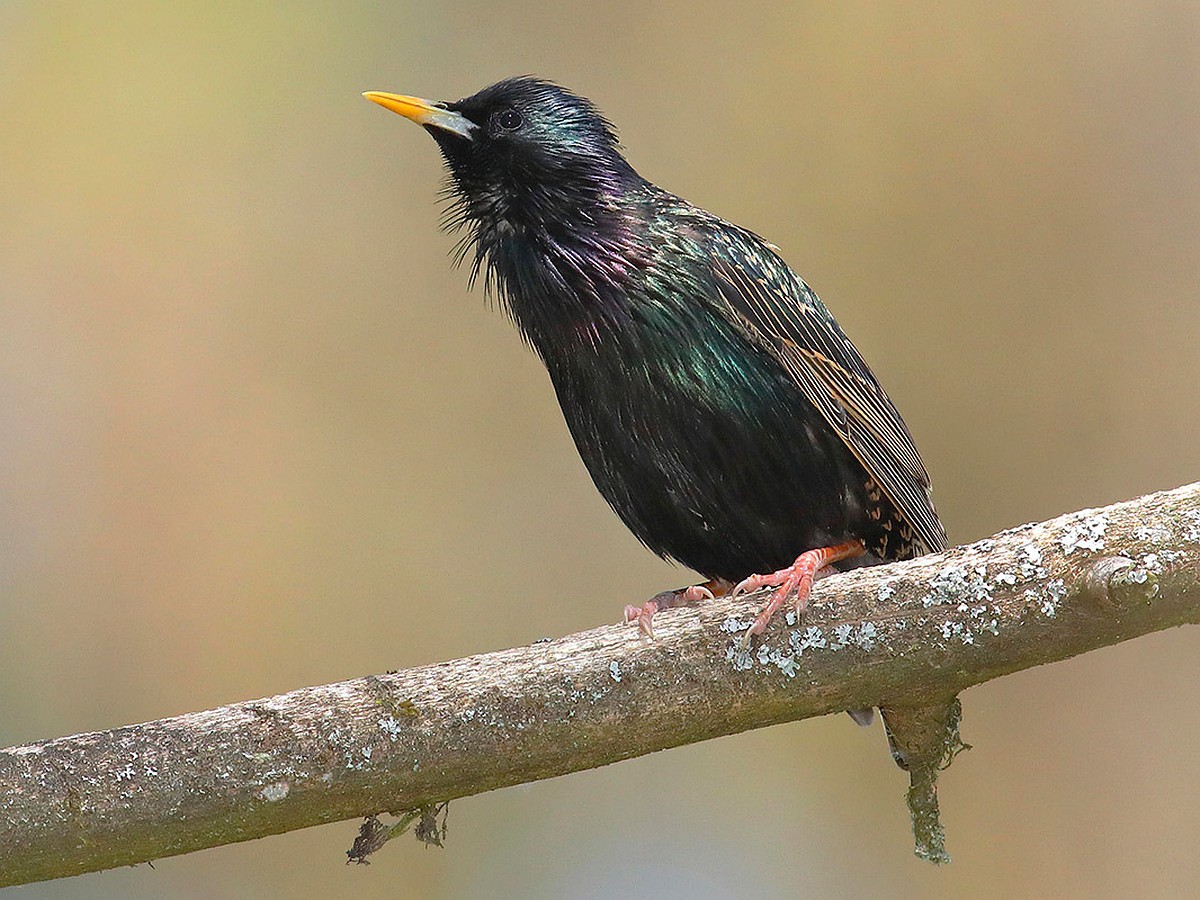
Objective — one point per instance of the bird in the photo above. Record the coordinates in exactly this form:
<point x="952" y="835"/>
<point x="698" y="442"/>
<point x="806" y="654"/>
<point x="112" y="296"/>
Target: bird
<point x="716" y="403"/>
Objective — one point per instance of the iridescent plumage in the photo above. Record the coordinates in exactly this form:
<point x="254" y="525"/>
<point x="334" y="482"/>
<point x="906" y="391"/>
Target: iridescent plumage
<point x="717" y="404"/>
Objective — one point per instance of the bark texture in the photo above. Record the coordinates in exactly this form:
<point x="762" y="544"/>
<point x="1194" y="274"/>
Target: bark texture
<point x="906" y="637"/>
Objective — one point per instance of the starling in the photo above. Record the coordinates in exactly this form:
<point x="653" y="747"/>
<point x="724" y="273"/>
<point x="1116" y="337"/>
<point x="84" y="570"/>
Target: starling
<point x="717" y="404"/>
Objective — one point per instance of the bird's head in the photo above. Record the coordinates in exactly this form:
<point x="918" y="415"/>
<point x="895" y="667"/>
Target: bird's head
<point x="522" y="153"/>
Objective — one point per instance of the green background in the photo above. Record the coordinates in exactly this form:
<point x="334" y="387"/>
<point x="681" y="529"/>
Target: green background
<point x="256" y="434"/>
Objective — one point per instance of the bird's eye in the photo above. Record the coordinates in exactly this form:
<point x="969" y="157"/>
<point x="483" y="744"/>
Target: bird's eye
<point x="507" y="120"/>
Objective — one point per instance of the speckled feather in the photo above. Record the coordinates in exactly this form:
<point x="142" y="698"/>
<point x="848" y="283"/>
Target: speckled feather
<point x="717" y="404"/>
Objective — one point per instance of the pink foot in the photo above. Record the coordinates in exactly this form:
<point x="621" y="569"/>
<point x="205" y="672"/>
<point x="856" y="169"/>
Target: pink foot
<point x="645" y="613"/>
<point x="797" y="579"/>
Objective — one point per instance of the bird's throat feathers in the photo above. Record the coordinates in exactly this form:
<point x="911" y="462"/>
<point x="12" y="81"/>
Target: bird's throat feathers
<point x="559" y="257"/>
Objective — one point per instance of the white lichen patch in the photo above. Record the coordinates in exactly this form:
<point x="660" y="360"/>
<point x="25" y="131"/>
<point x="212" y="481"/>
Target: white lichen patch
<point x="125" y="773"/>
<point x="785" y="662"/>
<point x="841" y="636"/>
<point x="1191" y="529"/>
<point x="787" y="665"/>
<point x="1029" y="562"/>
<point x="957" y="584"/>
<point x="275" y="791"/>
<point x="1056" y="590"/>
<point x="1152" y="534"/>
<point x="1087" y="534"/>
<point x="1144" y="573"/>
<point x="614" y="670"/>
<point x="733" y="625"/>
<point x="866" y="636"/>
<point x="359" y="761"/>
<point x="968" y="630"/>
<point x="812" y="639"/>
<point x="886" y="591"/>
<point x="739" y="657"/>
<point x="392" y="727"/>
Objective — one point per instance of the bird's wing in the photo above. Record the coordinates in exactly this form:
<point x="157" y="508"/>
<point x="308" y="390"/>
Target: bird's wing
<point x="780" y="312"/>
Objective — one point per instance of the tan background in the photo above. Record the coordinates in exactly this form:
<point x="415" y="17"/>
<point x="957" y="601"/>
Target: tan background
<point x="256" y="435"/>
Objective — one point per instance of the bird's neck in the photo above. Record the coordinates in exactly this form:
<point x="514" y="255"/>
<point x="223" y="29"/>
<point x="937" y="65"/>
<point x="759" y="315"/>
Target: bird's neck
<point x="563" y="268"/>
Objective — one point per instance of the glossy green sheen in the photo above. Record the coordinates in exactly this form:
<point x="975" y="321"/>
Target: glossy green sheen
<point x="717" y="404"/>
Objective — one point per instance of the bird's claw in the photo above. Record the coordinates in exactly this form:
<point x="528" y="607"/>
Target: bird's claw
<point x="786" y="581"/>
<point x="796" y="579"/>
<point x="644" y="614"/>
<point x="752" y="583"/>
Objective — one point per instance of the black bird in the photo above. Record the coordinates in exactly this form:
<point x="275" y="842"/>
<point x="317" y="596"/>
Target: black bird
<point x="714" y="399"/>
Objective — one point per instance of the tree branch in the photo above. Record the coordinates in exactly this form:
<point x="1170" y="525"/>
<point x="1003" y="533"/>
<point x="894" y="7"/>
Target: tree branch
<point x="907" y="637"/>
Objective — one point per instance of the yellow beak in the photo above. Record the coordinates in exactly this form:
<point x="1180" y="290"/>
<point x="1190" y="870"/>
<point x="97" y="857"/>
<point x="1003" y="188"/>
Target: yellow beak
<point x="424" y="112"/>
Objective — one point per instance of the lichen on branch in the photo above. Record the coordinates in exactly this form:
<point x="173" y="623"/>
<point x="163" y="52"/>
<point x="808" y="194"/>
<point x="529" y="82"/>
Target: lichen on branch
<point x="906" y="636"/>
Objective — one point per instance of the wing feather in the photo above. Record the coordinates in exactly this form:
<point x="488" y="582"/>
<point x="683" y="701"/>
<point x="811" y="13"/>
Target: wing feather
<point x="781" y="313"/>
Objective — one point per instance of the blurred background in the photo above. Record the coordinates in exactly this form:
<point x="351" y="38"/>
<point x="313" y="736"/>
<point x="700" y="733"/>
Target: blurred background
<point x="256" y="434"/>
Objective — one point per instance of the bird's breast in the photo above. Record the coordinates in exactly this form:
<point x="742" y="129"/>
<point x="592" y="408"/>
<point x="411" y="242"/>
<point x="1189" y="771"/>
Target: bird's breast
<point x="701" y="443"/>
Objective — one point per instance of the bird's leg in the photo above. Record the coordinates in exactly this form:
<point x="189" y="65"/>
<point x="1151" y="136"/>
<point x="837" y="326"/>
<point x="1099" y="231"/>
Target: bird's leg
<point x="796" y="579"/>
<point x="710" y="590"/>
